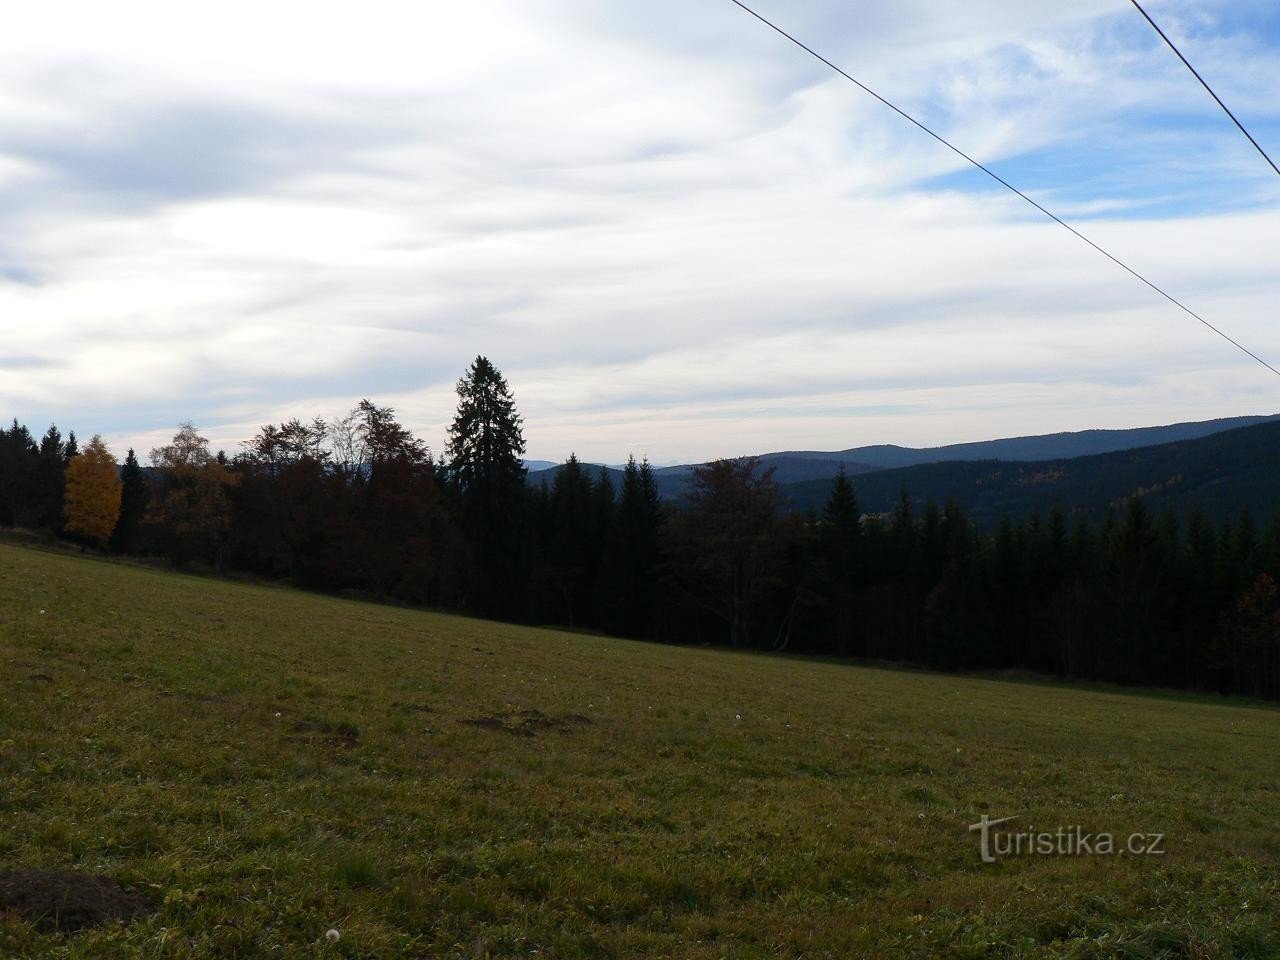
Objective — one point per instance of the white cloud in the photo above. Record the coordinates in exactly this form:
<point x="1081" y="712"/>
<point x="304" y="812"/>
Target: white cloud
<point x="674" y="234"/>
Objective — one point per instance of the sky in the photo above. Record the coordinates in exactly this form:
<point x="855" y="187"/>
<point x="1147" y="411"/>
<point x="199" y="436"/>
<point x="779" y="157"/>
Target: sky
<point x="676" y="235"/>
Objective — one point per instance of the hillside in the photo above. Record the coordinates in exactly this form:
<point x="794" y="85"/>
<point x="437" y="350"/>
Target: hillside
<point x="1220" y="473"/>
<point x="1051" y="446"/>
<point x="672" y="481"/>
<point x="801" y="466"/>
<point x="263" y="765"/>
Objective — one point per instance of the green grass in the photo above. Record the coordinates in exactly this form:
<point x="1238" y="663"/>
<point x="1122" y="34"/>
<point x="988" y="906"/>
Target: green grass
<point x="271" y="764"/>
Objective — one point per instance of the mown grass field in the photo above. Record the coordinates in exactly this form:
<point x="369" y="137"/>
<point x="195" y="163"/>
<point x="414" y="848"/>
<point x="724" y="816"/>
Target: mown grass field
<point x="269" y="765"/>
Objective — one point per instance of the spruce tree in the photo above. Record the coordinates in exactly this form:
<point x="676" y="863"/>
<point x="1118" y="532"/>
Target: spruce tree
<point x="135" y="494"/>
<point x="51" y="480"/>
<point x="19" y="461"/>
<point x="603" y="504"/>
<point x="630" y="566"/>
<point x="841" y="530"/>
<point x="839" y="540"/>
<point x="570" y="546"/>
<point x="603" y="508"/>
<point x="486" y="443"/>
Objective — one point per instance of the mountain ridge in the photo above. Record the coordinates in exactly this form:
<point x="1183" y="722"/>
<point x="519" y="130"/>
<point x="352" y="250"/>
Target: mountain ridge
<point x="1220" y="473"/>
<point x="793" y="467"/>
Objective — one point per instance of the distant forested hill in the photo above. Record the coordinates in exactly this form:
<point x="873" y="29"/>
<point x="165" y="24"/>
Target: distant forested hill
<point x="806" y="471"/>
<point x="671" y="481"/>
<point x="1051" y="446"/>
<point x="1221" y="473"/>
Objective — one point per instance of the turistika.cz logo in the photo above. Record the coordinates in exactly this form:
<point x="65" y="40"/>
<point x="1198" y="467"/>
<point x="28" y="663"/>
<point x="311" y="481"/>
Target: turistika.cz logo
<point x="1072" y="841"/>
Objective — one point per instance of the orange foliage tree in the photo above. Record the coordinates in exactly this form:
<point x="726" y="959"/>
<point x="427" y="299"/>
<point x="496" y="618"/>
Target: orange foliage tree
<point x="92" y="501"/>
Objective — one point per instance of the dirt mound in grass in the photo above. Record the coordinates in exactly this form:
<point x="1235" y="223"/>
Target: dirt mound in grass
<point x="67" y="900"/>
<point x="527" y="723"/>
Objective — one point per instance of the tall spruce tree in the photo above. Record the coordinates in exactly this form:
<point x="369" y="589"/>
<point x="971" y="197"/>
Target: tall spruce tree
<point x="571" y="538"/>
<point x="51" y="480"/>
<point x="135" y="493"/>
<point x="19" y="465"/>
<point x="840" y="539"/>
<point x="841" y="526"/>
<point x="486" y="443"/>
<point x="630" y="567"/>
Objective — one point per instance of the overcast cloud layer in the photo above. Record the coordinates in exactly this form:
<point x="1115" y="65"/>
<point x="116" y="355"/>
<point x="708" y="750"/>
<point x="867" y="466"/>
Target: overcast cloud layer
<point x="675" y="234"/>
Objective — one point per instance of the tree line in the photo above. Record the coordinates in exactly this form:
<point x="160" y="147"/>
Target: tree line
<point x="361" y="506"/>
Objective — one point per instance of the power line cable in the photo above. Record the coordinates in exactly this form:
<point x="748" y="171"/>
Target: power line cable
<point x="1006" y="184"/>
<point x="1204" y="83"/>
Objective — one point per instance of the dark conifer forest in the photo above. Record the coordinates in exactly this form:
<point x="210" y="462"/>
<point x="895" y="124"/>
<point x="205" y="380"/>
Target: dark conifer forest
<point x="362" y="507"/>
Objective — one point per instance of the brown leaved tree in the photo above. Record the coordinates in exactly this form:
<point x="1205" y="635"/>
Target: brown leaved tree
<point x="727" y="545"/>
<point x="191" y="509"/>
<point x="92" y="500"/>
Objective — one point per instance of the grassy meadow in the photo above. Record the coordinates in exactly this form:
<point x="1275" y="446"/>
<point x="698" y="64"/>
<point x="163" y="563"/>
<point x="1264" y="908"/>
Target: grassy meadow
<point x="268" y="765"/>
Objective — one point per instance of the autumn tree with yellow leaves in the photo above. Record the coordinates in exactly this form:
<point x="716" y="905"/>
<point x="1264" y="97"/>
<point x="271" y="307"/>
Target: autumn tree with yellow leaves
<point x="92" y="500"/>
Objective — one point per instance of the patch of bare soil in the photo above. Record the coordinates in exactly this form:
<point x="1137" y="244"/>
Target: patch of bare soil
<point x="63" y="901"/>
<point x="340" y="734"/>
<point x="197" y="697"/>
<point x="413" y="707"/>
<point x="528" y="723"/>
